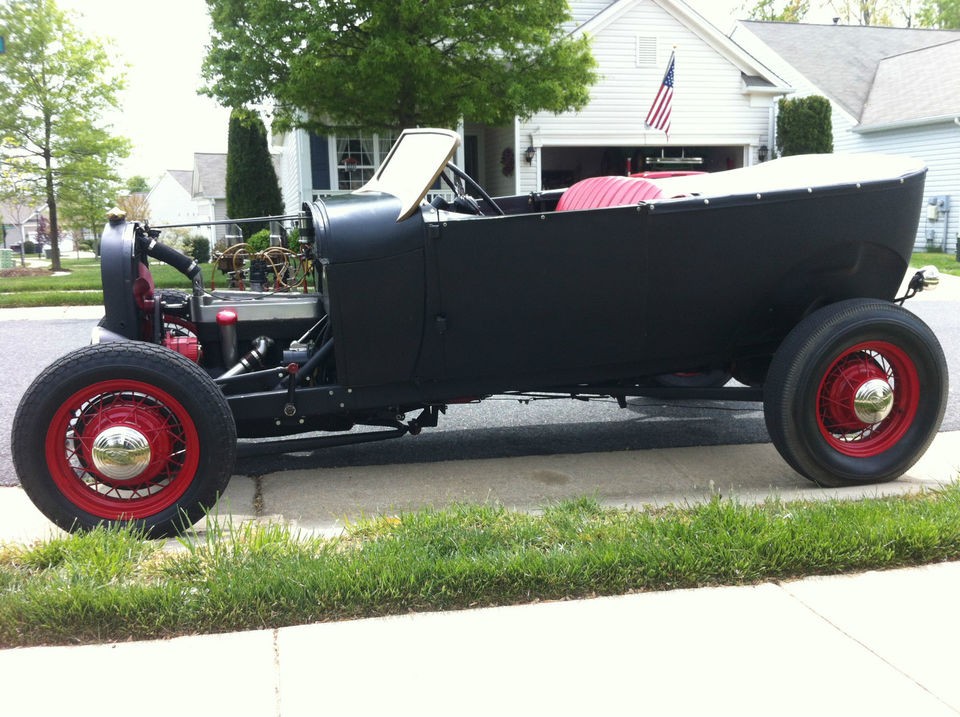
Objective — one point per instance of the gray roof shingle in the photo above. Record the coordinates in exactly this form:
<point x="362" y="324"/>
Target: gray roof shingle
<point x="210" y="175"/>
<point x="843" y="60"/>
<point x="915" y="85"/>
<point x="184" y="178"/>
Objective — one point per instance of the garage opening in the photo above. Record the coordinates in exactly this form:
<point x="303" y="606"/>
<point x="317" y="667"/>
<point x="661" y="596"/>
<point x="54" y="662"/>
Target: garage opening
<point x="564" y="166"/>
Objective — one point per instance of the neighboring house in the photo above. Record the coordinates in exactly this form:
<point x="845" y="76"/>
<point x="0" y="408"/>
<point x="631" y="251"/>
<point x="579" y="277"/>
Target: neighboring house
<point x="893" y="90"/>
<point x="723" y="113"/>
<point x="11" y="217"/>
<point x="171" y="198"/>
<point x="16" y="219"/>
<point x="193" y="196"/>
<point x="209" y="192"/>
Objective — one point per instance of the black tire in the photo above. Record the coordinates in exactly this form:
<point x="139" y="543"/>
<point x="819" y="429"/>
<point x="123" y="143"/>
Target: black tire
<point x="140" y="395"/>
<point x="869" y="349"/>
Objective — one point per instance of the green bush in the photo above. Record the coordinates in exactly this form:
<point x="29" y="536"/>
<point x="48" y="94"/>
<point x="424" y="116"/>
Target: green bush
<point x="804" y="126"/>
<point x="199" y="247"/>
<point x="260" y="240"/>
<point x="293" y="240"/>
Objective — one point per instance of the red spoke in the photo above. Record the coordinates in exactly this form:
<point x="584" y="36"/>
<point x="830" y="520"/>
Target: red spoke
<point x="157" y="416"/>
<point x="836" y="411"/>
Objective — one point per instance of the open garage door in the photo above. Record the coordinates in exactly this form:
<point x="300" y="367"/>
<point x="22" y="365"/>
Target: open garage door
<point x="563" y="166"/>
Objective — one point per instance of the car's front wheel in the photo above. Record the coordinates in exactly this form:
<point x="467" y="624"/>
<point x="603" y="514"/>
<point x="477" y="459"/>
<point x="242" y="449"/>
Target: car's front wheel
<point x="856" y="393"/>
<point x="124" y="432"/>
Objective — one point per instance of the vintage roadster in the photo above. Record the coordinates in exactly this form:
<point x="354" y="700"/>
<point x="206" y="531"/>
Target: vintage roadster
<point x="391" y="307"/>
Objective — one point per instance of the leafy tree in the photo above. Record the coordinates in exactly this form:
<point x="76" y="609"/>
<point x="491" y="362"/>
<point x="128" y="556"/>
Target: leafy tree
<point x="89" y="188"/>
<point x="54" y="84"/>
<point x="779" y="10"/>
<point x="803" y="126"/>
<point x="135" y="205"/>
<point x="862" y="12"/>
<point x="252" y="187"/>
<point x="393" y="64"/>
<point x="138" y="184"/>
<point x="944" y="14"/>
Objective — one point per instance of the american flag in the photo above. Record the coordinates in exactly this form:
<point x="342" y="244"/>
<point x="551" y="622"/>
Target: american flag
<point x="659" y="115"/>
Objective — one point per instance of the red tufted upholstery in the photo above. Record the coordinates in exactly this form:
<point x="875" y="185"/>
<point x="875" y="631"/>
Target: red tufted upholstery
<point x="597" y="192"/>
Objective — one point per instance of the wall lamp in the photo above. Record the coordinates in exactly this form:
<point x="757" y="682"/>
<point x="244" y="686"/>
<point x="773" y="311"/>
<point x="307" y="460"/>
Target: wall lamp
<point x="530" y="154"/>
<point x="762" y="153"/>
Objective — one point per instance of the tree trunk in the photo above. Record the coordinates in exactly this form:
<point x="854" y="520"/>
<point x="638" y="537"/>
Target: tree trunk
<point x="51" y="197"/>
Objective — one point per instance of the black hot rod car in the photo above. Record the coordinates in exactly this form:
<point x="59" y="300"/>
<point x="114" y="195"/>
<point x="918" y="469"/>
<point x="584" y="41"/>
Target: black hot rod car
<point x="390" y="308"/>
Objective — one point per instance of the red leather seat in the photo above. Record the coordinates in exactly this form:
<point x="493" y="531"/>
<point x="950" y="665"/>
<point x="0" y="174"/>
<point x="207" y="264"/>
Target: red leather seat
<point x="597" y="192"/>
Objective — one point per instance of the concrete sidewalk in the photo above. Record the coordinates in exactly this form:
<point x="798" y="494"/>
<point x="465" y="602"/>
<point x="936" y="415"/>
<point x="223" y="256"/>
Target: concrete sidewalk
<point x="869" y="644"/>
<point x="872" y="644"/>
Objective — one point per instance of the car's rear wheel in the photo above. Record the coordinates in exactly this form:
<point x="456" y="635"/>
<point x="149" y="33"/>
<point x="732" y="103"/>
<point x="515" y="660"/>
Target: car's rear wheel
<point x="856" y="393"/>
<point x="124" y="432"/>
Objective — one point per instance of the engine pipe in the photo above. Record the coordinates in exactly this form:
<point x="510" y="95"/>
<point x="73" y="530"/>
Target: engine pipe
<point x="186" y="265"/>
<point x="253" y="358"/>
<point x="168" y="255"/>
<point x="227" y="323"/>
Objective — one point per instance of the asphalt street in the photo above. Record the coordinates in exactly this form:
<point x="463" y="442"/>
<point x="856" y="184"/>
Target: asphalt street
<point x="492" y="429"/>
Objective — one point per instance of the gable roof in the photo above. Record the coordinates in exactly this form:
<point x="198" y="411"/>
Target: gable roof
<point x="183" y="177"/>
<point x="843" y="60"/>
<point x="759" y="75"/>
<point x="209" y="175"/>
<point x="899" y="95"/>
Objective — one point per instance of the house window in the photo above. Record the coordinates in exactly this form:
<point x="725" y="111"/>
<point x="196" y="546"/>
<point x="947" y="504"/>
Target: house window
<point x="358" y="157"/>
<point x="646" y="51"/>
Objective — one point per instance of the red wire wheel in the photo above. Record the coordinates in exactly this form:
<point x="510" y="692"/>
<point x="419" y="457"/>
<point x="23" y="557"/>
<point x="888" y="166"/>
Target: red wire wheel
<point x="124" y="433"/>
<point x="855" y="393"/>
<point x="122" y="449"/>
<point x="868" y="398"/>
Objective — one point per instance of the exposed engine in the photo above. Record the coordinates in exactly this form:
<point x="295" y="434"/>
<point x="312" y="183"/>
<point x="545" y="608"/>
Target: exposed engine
<point x="266" y="330"/>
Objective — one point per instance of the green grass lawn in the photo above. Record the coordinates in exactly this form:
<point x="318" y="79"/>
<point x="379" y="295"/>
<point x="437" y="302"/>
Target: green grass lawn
<point x="945" y="263"/>
<point x="111" y="585"/>
<point x="79" y="284"/>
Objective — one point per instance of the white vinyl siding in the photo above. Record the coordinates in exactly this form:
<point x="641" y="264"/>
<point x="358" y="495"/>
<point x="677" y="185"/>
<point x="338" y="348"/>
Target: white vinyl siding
<point x="294" y="174"/>
<point x="583" y="10"/>
<point x="710" y="106"/>
<point x="170" y="203"/>
<point x="938" y="146"/>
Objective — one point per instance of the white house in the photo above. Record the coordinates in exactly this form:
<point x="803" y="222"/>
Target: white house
<point x="722" y="105"/>
<point x="892" y="90"/>
<point x="171" y="198"/>
<point x="209" y="190"/>
<point x="192" y="196"/>
<point x="723" y="113"/>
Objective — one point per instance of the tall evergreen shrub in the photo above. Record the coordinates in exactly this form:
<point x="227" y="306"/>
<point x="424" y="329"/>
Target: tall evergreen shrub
<point x="804" y="126"/>
<point x="252" y="186"/>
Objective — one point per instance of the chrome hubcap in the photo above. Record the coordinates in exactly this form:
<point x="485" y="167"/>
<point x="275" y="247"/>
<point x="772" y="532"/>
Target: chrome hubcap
<point x="873" y="400"/>
<point x="121" y="453"/>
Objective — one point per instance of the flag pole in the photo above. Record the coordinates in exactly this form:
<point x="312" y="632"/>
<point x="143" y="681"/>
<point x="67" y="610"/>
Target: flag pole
<point x="659" y="115"/>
